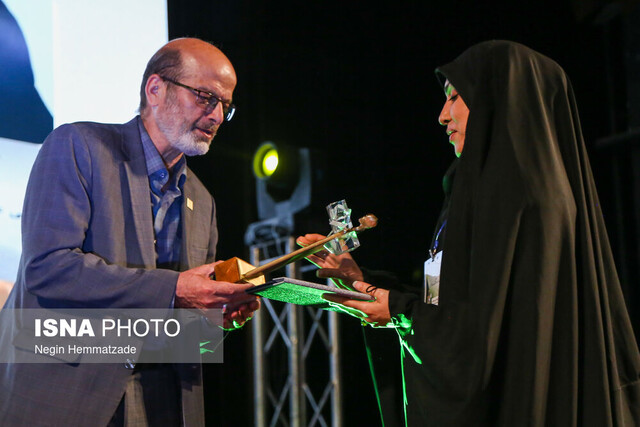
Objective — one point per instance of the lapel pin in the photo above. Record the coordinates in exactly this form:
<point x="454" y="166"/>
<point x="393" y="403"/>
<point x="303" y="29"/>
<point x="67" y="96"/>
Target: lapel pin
<point x="189" y="203"/>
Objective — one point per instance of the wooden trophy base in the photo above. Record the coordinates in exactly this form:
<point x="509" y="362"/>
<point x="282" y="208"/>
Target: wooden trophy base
<point x="233" y="270"/>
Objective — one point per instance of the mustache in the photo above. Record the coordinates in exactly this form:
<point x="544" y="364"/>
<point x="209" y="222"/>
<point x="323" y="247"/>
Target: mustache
<point x="213" y="128"/>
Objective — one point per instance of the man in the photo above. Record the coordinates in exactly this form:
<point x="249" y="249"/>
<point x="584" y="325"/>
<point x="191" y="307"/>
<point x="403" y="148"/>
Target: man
<point x="111" y="215"/>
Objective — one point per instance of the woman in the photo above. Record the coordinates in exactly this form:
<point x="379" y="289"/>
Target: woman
<point x="530" y="326"/>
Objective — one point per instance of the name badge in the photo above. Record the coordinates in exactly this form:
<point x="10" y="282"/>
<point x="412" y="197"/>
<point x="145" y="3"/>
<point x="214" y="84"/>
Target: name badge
<point x="431" y="279"/>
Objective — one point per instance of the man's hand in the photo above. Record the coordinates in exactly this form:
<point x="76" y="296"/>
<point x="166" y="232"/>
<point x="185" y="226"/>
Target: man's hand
<point x="375" y="313"/>
<point x="196" y="289"/>
<point x="340" y="267"/>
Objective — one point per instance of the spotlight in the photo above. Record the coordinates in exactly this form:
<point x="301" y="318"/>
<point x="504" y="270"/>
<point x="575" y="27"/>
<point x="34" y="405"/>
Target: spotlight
<point x="265" y="160"/>
<point x="280" y="169"/>
<point x="283" y="187"/>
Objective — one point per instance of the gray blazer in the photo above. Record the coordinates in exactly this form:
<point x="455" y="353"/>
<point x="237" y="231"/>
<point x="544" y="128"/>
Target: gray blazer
<point x="88" y="241"/>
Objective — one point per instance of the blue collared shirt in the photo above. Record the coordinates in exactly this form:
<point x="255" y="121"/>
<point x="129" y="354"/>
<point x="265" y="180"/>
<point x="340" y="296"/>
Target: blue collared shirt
<point x="166" y="200"/>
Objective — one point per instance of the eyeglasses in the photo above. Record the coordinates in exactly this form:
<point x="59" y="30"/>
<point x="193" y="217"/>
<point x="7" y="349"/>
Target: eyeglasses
<point x="207" y="100"/>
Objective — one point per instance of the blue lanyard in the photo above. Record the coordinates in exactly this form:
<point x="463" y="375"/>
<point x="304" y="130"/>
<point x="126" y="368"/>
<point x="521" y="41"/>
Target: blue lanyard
<point x="437" y="240"/>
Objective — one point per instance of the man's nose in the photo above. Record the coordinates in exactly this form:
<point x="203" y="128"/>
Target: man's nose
<point x="217" y="114"/>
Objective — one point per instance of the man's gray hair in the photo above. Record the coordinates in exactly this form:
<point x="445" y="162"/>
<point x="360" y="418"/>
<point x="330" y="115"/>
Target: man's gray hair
<point x="166" y="62"/>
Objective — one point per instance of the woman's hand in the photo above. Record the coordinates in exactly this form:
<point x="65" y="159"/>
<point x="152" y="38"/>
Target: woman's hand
<point x="375" y="313"/>
<point x="342" y="267"/>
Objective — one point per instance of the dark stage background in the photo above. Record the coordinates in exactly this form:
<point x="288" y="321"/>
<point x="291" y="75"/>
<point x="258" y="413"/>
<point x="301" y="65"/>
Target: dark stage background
<point x="355" y="82"/>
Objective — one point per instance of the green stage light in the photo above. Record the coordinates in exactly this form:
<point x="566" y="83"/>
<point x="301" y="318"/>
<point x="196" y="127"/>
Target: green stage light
<point x="270" y="162"/>
<point x="265" y="160"/>
<point x="283" y="177"/>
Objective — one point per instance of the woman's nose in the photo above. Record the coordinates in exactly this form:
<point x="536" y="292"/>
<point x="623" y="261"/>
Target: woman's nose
<point x="444" y="116"/>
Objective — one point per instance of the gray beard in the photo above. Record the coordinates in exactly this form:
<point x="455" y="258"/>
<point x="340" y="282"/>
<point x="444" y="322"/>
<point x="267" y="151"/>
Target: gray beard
<point x="187" y="142"/>
<point x="190" y="146"/>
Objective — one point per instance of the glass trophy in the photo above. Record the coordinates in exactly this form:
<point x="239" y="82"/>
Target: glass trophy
<point x="340" y="219"/>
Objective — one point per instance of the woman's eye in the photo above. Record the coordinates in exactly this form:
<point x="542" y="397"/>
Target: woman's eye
<point x="453" y="97"/>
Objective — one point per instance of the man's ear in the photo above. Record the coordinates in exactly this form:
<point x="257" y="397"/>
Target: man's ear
<point x="154" y="90"/>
